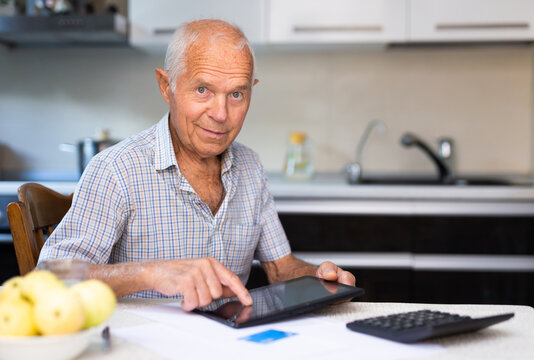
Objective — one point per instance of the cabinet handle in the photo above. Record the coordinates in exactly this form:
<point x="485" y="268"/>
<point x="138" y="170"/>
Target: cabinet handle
<point x="164" y="31"/>
<point x="329" y="28"/>
<point x="482" y="26"/>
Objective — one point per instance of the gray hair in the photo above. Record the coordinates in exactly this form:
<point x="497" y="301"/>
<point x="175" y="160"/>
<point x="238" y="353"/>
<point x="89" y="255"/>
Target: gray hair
<point x="186" y="35"/>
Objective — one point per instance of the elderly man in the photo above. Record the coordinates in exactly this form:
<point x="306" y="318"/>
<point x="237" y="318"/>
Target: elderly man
<point x="181" y="209"/>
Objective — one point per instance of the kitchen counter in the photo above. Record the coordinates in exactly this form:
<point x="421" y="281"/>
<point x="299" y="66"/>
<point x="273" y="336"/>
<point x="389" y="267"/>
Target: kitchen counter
<point x="330" y="194"/>
<point x="334" y="186"/>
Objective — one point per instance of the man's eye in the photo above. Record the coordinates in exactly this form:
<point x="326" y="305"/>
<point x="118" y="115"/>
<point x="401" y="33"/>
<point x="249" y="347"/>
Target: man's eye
<point x="201" y="90"/>
<point x="236" y="94"/>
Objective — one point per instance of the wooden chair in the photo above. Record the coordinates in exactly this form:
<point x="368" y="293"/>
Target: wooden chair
<point x="33" y="217"/>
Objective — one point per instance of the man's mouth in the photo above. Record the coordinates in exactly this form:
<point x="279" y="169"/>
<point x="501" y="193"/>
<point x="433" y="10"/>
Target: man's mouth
<point x="214" y="133"/>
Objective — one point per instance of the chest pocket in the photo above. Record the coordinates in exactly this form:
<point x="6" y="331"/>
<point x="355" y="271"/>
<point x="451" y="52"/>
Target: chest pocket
<point x="240" y="243"/>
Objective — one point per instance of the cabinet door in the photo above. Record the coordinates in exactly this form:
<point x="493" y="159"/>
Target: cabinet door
<point x="473" y="20"/>
<point x="343" y="21"/>
<point x="152" y="23"/>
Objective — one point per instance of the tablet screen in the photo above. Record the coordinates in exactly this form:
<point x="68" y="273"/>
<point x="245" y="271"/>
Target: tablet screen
<point x="281" y="300"/>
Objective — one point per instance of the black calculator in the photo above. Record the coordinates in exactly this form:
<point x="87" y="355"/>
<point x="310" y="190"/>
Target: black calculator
<point x="413" y="326"/>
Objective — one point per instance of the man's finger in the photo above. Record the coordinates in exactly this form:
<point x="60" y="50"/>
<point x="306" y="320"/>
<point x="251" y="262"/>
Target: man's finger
<point x="346" y="278"/>
<point x="328" y="271"/>
<point x="214" y="285"/>
<point x="189" y="292"/>
<point x="230" y="280"/>
<point x="203" y="292"/>
<point x="227" y="292"/>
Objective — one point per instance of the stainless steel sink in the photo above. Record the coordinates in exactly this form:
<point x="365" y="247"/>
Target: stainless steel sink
<point x="459" y="181"/>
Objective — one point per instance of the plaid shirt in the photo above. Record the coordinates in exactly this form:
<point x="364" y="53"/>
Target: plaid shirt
<point x="133" y="204"/>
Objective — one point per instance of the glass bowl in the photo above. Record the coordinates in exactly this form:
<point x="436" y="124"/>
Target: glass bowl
<point x="47" y="347"/>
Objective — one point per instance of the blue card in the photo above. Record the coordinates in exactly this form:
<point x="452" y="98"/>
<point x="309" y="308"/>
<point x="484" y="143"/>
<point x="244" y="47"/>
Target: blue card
<point x="267" y="336"/>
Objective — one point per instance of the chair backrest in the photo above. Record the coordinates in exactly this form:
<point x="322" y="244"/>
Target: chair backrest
<point x="33" y="217"/>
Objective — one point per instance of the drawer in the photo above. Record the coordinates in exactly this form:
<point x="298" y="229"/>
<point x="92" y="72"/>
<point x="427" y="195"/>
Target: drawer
<point x="342" y="21"/>
<point x="348" y="233"/>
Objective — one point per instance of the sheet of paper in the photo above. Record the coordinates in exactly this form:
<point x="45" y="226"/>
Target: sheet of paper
<point x="176" y="333"/>
<point x="165" y="341"/>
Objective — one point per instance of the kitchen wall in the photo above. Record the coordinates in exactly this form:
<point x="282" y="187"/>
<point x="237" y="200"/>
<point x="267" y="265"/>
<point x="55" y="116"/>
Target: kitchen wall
<point x="482" y="97"/>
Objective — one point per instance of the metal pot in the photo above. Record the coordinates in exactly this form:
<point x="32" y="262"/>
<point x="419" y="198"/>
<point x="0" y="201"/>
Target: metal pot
<point x="86" y="149"/>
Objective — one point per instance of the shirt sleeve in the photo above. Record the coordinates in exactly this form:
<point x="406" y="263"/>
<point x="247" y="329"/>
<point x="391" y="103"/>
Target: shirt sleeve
<point x="95" y="221"/>
<point x="273" y="243"/>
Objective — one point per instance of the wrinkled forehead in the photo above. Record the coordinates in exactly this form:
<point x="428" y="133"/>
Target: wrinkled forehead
<point x="223" y="53"/>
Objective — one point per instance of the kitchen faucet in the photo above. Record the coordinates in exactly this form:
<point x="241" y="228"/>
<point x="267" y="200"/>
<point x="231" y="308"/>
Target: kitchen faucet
<point x="354" y="170"/>
<point x="409" y="140"/>
<point x="446" y="152"/>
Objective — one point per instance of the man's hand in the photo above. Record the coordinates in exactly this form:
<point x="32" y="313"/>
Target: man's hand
<point x="200" y="281"/>
<point x="329" y="271"/>
<point x="289" y="267"/>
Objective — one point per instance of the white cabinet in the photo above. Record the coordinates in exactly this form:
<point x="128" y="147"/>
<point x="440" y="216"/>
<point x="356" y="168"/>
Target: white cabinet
<point x="471" y="20"/>
<point x="152" y="23"/>
<point x="330" y="21"/>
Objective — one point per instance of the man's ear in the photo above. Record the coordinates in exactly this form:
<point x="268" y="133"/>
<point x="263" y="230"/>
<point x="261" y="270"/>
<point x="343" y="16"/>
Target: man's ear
<point x="255" y="82"/>
<point x="164" y="86"/>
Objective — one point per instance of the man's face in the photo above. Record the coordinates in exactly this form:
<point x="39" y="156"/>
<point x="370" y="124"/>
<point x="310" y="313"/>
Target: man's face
<point x="211" y="99"/>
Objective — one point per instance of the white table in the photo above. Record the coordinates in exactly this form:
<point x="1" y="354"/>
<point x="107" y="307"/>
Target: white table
<point x="512" y="339"/>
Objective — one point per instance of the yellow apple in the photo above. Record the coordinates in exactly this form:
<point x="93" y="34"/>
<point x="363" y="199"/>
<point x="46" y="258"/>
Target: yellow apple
<point x="16" y="318"/>
<point x="11" y="289"/>
<point x="59" y="311"/>
<point x="98" y="301"/>
<point x="37" y="282"/>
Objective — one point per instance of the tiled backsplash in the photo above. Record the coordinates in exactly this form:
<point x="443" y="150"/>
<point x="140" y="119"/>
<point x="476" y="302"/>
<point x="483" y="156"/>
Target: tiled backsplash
<point x="482" y="97"/>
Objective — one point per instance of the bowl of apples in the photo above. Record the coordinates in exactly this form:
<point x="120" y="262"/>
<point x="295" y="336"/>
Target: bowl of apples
<point x="43" y="318"/>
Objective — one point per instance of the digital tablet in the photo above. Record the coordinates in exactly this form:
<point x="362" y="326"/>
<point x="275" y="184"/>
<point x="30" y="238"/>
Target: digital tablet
<point x="279" y="301"/>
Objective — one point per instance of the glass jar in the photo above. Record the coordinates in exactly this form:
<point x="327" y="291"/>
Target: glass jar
<point x="70" y="271"/>
<point x="298" y="164"/>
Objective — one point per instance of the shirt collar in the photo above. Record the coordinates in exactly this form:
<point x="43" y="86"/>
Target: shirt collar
<point x="164" y="151"/>
<point x="227" y="159"/>
<point x="229" y="173"/>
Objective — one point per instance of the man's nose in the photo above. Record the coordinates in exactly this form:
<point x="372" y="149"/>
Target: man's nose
<point x="218" y="111"/>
